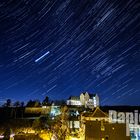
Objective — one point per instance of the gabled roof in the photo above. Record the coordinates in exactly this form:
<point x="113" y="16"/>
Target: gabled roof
<point x="90" y="95"/>
<point x="96" y="113"/>
<point x="99" y="113"/>
<point x="84" y="93"/>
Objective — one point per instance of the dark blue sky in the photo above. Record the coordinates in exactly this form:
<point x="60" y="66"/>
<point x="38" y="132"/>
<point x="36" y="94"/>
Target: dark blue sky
<point x="59" y="48"/>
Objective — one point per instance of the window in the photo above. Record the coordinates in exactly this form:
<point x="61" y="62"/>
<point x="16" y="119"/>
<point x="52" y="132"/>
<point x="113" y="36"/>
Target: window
<point x="107" y="137"/>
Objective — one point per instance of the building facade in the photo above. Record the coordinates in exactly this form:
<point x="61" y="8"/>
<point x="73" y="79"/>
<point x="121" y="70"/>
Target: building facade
<point x="85" y="99"/>
<point x="73" y="100"/>
<point x="97" y="126"/>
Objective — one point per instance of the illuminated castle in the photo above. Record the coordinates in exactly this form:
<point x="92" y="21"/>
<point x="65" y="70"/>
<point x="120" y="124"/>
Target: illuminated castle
<point x="85" y="99"/>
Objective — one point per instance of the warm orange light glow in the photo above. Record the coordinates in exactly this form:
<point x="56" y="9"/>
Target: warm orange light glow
<point x="74" y="138"/>
<point x="45" y="136"/>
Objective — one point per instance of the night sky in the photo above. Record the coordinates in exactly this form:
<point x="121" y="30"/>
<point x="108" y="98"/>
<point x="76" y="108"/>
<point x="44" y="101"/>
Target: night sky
<point x="59" y="48"/>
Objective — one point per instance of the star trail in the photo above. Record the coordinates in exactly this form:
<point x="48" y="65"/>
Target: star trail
<point x="59" y="48"/>
<point x="41" y="57"/>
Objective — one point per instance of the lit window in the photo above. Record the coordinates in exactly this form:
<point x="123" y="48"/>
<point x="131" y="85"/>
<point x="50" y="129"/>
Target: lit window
<point x="102" y="128"/>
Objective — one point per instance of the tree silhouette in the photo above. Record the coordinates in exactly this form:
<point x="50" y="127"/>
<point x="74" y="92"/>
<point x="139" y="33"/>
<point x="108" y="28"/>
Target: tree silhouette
<point x="22" y="104"/>
<point x="35" y="103"/>
<point x="29" y="103"/>
<point x="61" y="127"/>
<point x="7" y="134"/>
<point x="8" y="103"/>
<point x="17" y="104"/>
<point x="45" y="101"/>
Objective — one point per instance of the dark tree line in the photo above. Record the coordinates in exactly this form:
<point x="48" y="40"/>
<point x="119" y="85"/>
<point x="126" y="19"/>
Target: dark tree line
<point x="30" y="103"/>
<point x="33" y="103"/>
<point x="16" y="104"/>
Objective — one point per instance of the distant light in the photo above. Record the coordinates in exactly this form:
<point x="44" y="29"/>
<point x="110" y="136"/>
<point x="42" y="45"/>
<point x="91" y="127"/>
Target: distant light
<point x="37" y="60"/>
<point x="11" y="136"/>
<point x="44" y="107"/>
<point x="1" y="136"/>
<point x="73" y="138"/>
